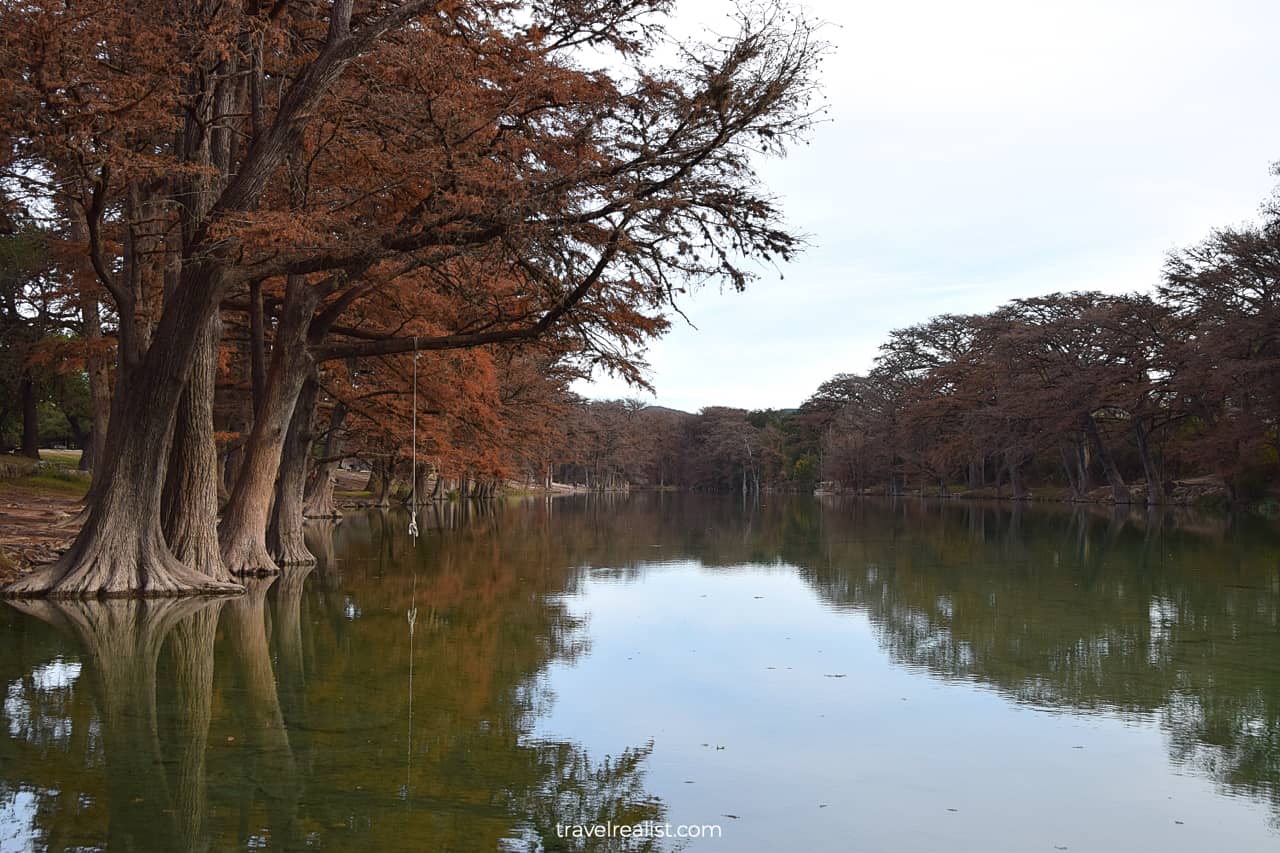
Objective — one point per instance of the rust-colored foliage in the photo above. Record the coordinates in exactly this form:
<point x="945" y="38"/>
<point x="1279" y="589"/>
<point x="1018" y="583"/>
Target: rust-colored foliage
<point x="339" y="184"/>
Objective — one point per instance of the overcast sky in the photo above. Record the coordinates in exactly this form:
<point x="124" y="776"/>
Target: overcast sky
<point x="978" y="152"/>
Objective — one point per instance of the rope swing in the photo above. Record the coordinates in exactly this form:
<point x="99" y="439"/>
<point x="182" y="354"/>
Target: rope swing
<point x="412" y="615"/>
<point x="413" y="504"/>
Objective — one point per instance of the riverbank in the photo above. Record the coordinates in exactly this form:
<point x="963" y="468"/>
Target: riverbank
<point x="39" y="503"/>
<point x="350" y="492"/>
<point x="1200" y="493"/>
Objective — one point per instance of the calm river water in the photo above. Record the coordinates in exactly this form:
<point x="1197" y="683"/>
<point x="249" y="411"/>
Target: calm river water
<point x="781" y="675"/>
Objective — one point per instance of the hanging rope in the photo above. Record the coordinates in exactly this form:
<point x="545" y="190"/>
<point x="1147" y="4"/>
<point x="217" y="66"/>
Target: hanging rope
<point x="412" y="615"/>
<point x="413" y="505"/>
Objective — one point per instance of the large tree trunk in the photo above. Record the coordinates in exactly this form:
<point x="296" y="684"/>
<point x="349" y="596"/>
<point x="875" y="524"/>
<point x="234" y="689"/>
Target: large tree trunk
<point x="319" y="501"/>
<point x="191" y="487"/>
<point x="284" y="537"/>
<point x="1119" y="491"/>
<point x="243" y="532"/>
<point x="121" y="549"/>
<point x="257" y="347"/>
<point x="96" y="362"/>
<point x="99" y="395"/>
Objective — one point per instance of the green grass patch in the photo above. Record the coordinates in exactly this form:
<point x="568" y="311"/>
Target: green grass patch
<point x="20" y="476"/>
<point x="519" y="492"/>
<point x="67" y="458"/>
<point x="51" y="484"/>
<point x="45" y="479"/>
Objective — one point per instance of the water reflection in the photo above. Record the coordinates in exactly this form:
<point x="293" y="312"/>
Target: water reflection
<point x="313" y="711"/>
<point x="280" y="719"/>
<point x="1163" y="613"/>
<point x="153" y="788"/>
<point x="1166" y="614"/>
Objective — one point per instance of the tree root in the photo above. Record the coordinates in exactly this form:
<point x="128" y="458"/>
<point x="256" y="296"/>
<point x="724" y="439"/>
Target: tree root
<point x="292" y="551"/>
<point x="118" y="565"/>
<point x="248" y="557"/>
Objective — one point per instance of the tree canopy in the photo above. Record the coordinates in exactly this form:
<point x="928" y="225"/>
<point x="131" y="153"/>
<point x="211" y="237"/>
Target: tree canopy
<point x="268" y="203"/>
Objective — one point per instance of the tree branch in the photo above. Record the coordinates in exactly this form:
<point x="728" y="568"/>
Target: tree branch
<point x="391" y="346"/>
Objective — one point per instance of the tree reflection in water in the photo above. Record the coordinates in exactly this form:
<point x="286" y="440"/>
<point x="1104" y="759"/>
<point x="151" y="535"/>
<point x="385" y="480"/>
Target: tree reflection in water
<point x="149" y="808"/>
<point x="278" y="718"/>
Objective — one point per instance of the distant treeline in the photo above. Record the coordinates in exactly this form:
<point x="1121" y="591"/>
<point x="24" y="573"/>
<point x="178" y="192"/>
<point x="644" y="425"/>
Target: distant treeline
<point x="1085" y="394"/>
<point x="617" y="444"/>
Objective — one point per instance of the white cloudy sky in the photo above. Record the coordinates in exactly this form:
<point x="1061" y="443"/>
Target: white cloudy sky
<point x="980" y="151"/>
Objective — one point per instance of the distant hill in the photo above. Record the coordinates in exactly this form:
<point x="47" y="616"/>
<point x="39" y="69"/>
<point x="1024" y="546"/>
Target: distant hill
<point x="669" y="410"/>
<point x="785" y="412"/>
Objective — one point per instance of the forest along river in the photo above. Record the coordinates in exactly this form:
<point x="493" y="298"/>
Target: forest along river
<point x="806" y="675"/>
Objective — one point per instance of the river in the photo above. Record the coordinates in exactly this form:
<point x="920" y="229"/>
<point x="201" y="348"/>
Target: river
<point x="781" y="674"/>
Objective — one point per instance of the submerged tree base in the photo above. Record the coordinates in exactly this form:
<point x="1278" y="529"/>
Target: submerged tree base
<point x="249" y="558"/>
<point x="124" y="566"/>
<point x="291" y="550"/>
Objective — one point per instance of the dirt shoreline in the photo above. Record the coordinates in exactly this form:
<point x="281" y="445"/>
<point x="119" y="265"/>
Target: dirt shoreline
<point x="37" y="524"/>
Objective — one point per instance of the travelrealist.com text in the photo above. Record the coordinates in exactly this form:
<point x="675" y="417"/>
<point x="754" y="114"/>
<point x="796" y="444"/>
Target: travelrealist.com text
<point x="610" y="829"/>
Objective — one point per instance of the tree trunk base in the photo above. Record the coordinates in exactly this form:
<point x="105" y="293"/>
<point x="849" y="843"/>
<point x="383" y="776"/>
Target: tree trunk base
<point x="320" y="502"/>
<point x="200" y="548"/>
<point x="292" y="550"/>
<point x="118" y="566"/>
<point x="248" y="558"/>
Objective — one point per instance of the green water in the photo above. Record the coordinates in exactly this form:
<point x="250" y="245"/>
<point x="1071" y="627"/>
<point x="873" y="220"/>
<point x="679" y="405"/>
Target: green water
<point x="799" y="675"/>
